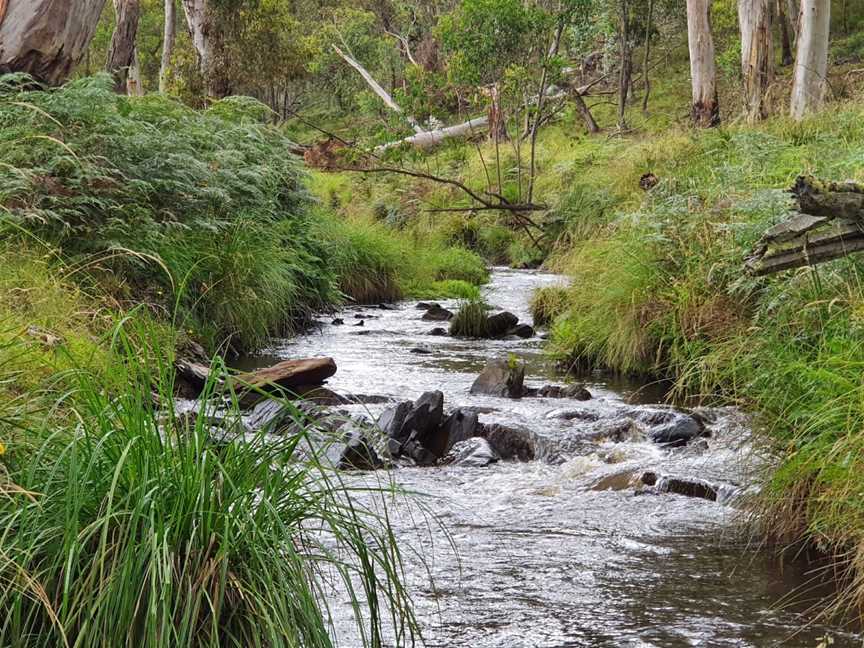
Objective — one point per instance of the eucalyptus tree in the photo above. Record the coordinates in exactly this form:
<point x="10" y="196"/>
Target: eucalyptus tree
<point x="705" y="109"/>
<point x="44" y="38"/>
<point x="755" y="18"/>
<point x="811" y="61"/>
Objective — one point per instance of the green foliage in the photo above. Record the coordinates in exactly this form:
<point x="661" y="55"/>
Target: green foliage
<point x="484" y="37"/>
<point x="547" y="304"/>
<point x="167" y="198"/>
<point x="130" y="526"/>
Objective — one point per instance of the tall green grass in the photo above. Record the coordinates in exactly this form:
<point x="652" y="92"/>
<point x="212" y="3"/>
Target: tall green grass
<point x="126" y="524"/>
<point x="658" y="287"/>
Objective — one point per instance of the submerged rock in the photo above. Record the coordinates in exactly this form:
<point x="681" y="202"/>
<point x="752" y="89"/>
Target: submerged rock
<point x="509" y="442"/>
<point x="522" y="331"/>
<point x="681" y="486"/>
<point x="501" y="378"/>
<point x="437" y="314"/>
<point x="671" y="428"/>
<point x="438" y="332"/>
<point x="576" y="392"/>
<point x="475" y="453"/>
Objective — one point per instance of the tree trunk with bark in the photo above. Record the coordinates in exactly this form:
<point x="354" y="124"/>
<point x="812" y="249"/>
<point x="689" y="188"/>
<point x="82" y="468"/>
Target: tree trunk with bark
<point x="208" y="40"/>
<point x="757" y="55"/>
<point x="626" y="75"/>
<point x="785" y="33"/>
<point x="121" y="53"/>
<point x="811" y="61"/>
<point x="703" y="70"/>
<point x="44" y="38"/>
<point x="169" y="38"/>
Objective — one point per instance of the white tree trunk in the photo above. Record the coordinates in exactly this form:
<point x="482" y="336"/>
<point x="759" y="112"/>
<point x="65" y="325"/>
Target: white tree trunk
<point x="755" y="18"/>
<point x="811" y="60"/>
<point x="134" y="87"/>
<point x="169" y="37"/>
<point x="703" y="71"/>
<point x="377" y="89"/>
<point x="207" y="41"/>
<point x="44" y="38"/>
<point x="434" y="137"/>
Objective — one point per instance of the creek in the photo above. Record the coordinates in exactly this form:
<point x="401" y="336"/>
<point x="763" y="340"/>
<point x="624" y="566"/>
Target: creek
<point x="559" y="551"/>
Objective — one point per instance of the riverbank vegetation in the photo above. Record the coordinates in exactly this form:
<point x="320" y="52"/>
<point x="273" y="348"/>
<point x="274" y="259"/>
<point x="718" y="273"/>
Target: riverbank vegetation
<point x="627" y="144"/>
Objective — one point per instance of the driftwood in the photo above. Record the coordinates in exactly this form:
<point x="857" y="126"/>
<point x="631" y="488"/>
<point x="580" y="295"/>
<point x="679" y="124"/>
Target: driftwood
<point x="828" y="224"/>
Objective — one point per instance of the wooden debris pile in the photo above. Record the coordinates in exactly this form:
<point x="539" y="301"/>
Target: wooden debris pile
<point x="828" y="223"/>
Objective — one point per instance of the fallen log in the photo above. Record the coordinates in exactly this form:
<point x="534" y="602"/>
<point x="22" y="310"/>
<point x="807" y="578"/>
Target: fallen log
<point x="435" y="137"/>
<point x="830" y="199"/>
<point x="828" y="224"/>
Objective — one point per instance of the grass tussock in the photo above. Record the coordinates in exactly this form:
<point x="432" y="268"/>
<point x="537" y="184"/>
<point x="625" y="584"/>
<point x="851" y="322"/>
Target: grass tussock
<point x="128" y="525"/>
<point x="471" y="320"/>
<point x="547" y="304"/>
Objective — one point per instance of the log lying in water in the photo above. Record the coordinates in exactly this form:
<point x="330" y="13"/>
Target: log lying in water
<point x="829" y="224"/>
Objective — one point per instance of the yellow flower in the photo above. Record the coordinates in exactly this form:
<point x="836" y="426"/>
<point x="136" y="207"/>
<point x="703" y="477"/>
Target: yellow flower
<point x="2" y="449"/>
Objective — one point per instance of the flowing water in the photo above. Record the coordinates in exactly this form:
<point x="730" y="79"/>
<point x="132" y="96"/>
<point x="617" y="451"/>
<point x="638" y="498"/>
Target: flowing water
<point x="548" y="553"/>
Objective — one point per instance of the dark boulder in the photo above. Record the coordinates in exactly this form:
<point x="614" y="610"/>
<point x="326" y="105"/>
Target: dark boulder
<point x="392" y="420"/>
<point x="438" y="314"/>
<point x="338" y="321"/>
<point x="523" y="331"/>
<point x="458" y="426"/>
<point x="509" y="442"/>
<point x="671" y="428"/>
<point x="584" y="415"/>
<point x="426" y="414"/>
<point x="358" y="453"/>
<point x="681" y="486"/>
<point x="499" y="324"/>
<point x="438" y="332"/>
<point x="421" y="456"/>
<point x="427" y="305"/>
<point x="500" y="378"/>
<point x="421" y="351"/>
<point x="474" y="453"/>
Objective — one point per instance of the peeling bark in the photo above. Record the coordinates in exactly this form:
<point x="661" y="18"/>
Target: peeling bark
<point x="44" y="38"/>
<point x="703" y="72"/>
<point x="121" y="53"/>
<point x="207" y="38"/>
<point x="757" y="55"/>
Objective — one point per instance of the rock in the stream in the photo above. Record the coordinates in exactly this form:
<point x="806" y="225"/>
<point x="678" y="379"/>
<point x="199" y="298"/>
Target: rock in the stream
<point x="459" y="426"/>
<point x="438" y="332"/>
<point x="671" y="428"/>
<point x="421" y="350"/>
<point x="289" y="378"/>
<point x="392" y="420"/>
<point x="426" y="414"/>
<point x="358" y="453"/>
<point x="421" y="455"/>
<point x="509" y="442"/>
<point x="473" y="453"/>
<point x="438" y="314"/>
<point x="681" y="486"/>
<point x="427" y="305"/>
<point x="522" y="331"/>
<point x="191" y="378"/>
<point x="499" y="324"/>
<point x="574" y="414"/>
<point x="576" y="392"/>
<point x="500" y="378"/>
<point x="338" y="321"/>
